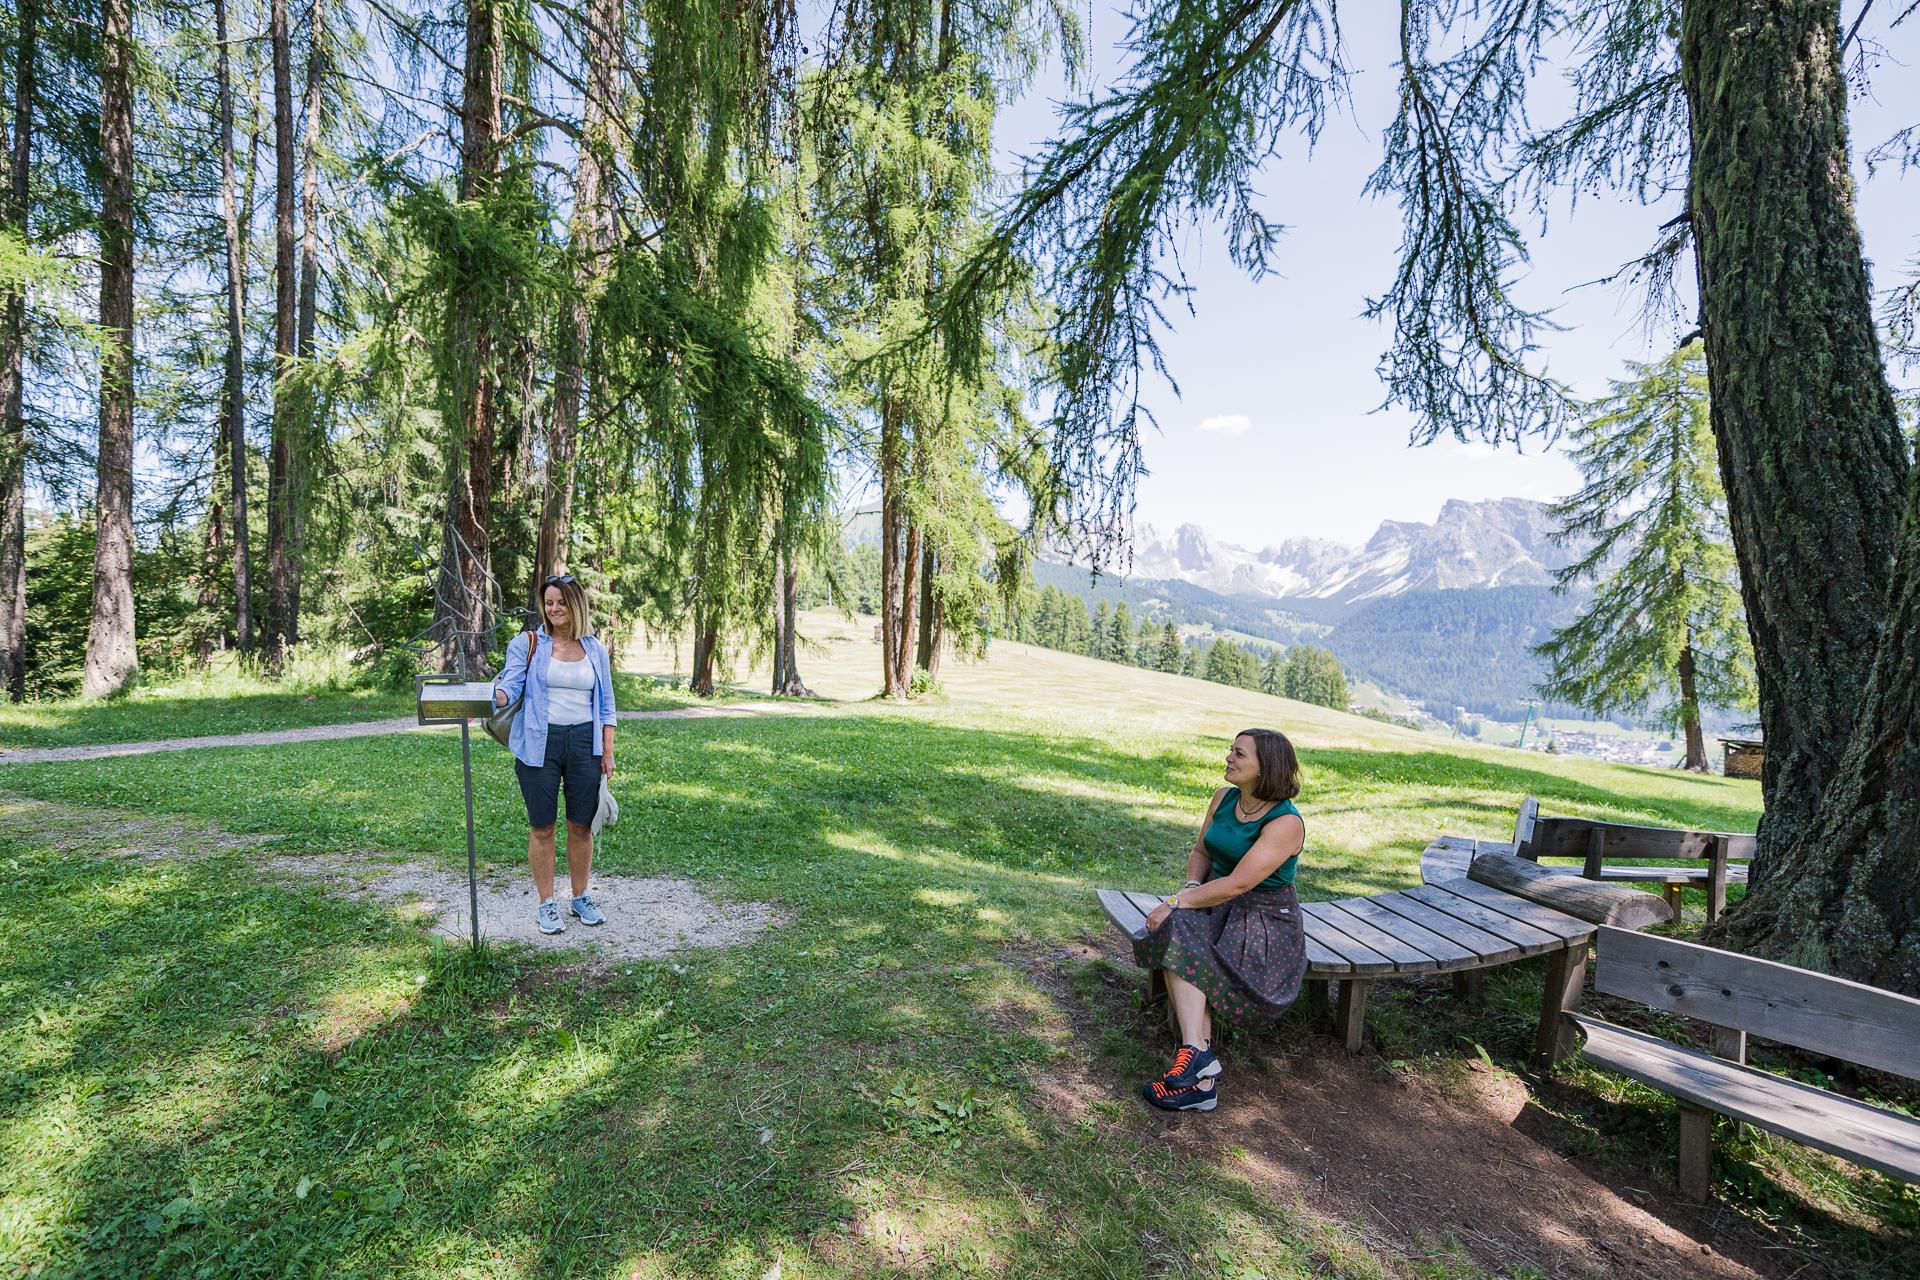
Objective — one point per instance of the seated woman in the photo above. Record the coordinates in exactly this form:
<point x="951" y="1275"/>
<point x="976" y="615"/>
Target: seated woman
<point x="1232" y="939"/>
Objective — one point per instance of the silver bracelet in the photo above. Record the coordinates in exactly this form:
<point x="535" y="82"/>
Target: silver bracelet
<point x="1191" y="884"/>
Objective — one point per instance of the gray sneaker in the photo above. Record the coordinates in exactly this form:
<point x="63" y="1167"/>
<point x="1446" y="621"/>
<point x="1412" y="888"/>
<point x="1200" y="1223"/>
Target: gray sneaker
<point x="585" y="912"/>
<point x="547" y="916"/>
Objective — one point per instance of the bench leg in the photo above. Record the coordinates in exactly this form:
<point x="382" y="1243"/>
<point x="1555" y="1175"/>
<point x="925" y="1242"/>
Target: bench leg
<point x="1566" y="979"/>
<point x="1157" y="992"/>
<point x="1672" y="894"/>
<point x="1696" y="1152"/>
<point x="1466" y="985"/>
<point x="1716" y="899"/>
<point x="1351" y="1022"/>
<point x="1318" y="1008"/>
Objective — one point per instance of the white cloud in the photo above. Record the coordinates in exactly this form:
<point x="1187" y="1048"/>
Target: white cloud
<point x="1231" y="424"/>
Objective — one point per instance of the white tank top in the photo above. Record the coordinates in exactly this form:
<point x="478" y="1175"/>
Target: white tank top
<point x="569" y="692"/>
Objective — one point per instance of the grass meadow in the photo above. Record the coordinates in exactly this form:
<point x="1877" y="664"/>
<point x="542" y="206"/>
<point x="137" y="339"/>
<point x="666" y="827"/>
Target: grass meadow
<point x="211" y="1070"/>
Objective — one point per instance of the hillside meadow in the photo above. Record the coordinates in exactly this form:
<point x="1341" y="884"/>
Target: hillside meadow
<point x="211" y="1068"/>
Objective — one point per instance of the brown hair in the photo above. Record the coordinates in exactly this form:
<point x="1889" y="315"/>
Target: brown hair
<point x="574" y="596"/>
<point x="1279" y="765"/>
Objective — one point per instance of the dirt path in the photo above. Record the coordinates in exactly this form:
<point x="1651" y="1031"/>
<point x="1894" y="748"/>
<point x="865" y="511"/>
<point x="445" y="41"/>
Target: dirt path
<point x="359" y="729"/>
<point x="647" y="917"/>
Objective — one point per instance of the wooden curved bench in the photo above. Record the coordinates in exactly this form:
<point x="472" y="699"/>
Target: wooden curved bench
<point x="1461" y="925"/>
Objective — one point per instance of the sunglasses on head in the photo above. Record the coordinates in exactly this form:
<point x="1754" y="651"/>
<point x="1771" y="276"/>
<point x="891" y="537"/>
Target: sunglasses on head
<point x="557" y="579"/>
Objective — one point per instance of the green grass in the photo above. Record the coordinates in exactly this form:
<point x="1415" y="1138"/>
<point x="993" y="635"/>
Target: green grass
<point x="229" y="701"/>
<point x="203" y="1071"/>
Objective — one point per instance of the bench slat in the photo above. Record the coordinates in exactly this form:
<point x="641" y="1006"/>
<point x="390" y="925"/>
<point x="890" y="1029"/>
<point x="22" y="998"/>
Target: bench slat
<point x="1669" y="875"/>
<point x="1123" y="913"/>
<point x="1488" y="947"/>
<point x="1362" y="959"/>
<point x="1322" y="963"/>
<point x="1841" y="1126"/>
<point x="1444" y="950"/>
<point x="1531" y="941"/>
<point x="1447" y="858"/>
<point x="1828" y="1015"/>
<point x="1558" y="923"/>
<point x="1406" y="957"/>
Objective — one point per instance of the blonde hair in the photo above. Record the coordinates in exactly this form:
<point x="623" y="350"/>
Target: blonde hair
<point x="574" y="596"/>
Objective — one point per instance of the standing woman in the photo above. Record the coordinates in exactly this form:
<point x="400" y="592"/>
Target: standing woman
<point x="561" y="740"/>
<point x="1232" y="939"/>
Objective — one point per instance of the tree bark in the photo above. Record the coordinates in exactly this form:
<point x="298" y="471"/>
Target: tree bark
<point x="795" y="687"/>
<point x="280" y="461"/>
<point x="909" y="606"/>
<point x="1696" y="758"/>
<point x="892" y="520"/>
<point x="926" y="653"/>
<point x="307" y="426"/>
<point x="590" y="232"/>
<point x="13" y="329"/>
<point x="465" y="619"/>
<point x="232" y="468"/>
<point x="779" y="681"/>
<point x="112" y="660"/>
<point x="706" y="648"/>
<point x="1810" y="448"/>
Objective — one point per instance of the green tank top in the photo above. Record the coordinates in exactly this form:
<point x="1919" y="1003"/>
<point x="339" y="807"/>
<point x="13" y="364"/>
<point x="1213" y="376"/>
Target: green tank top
<point x="1227" y="839"/>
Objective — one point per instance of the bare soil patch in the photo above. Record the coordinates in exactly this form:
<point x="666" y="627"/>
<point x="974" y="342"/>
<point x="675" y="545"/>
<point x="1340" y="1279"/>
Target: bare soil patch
<point x="1420" y="1165"/>
<point x="647" y="917"/>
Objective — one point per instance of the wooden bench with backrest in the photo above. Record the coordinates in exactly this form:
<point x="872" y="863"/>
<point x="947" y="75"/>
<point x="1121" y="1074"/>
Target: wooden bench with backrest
<point x="1494" y="914"/>
<point x="1741" y="996"/>
<point x="1721" y="856"/>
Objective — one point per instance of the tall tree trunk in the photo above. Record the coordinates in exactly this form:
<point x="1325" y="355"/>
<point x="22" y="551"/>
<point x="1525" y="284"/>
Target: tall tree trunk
<point x="309" y="303"/>
<point x="789" y="634"/>
<point x="779" y="680"/>
<point x="466" y="571"/>
<point x="1696" y="759"/>
<point x="892" y="522"/>
<point x="909" y="606"/>
<point x="281" y="462"/>
<point x="112" y="661"/>
<point x="13" y="329"/>
<point x="590" y="233"/>
<point x="706" y="648"/>
<point x="926" y="646"/>
<point x="1810" y="447"/>
<point x="233" y="410"/>
<point x="1814" y="467"/>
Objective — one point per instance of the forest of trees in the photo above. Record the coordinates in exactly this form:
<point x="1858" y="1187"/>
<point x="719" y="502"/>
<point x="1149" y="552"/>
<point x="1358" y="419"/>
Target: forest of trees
<point x="344" y="322"/>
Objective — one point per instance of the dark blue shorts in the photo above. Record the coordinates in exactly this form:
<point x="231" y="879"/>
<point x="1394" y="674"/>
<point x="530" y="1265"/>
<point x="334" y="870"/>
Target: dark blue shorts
<point x="570" y="760"/>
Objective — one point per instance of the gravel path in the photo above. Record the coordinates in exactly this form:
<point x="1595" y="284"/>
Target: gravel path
<point x="647" y="917"/>
<point x="360" y="729"/>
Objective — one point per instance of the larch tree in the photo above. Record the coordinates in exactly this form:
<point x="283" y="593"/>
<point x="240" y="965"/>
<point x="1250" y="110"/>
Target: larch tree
<point x="282" y="628"/>
<point x="1741" y="104"/>
<point x="112" y="662"/>
<point x="230" y="451"/>
<point x="1664" y="630"/>
<point x="15" y="245"/>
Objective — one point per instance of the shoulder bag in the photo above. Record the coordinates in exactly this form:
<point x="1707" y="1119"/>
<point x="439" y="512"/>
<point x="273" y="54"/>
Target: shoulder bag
<point x="499" y="725"/>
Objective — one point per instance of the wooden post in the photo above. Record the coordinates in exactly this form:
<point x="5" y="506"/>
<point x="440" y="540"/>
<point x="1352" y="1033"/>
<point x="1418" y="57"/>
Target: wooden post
<point x="1696" y="1152"/>
<point x="1716" y="879"/>
<point x="1671" y="892"/>
<point x="1351" y="1022"/>
<point x="1566" y="980"/>
<point x="1466" y="984"/>
<point x="1596" y="853"/>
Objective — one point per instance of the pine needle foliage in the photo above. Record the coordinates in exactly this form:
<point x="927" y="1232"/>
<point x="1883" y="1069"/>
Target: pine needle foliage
<point x="1664" y="634"/>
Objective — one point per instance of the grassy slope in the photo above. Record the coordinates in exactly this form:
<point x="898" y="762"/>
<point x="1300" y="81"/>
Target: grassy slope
<point x="229" y="701"/>
<point x="202" y="1069"/>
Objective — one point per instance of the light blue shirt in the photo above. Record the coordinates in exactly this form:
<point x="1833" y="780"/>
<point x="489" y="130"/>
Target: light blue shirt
<point x="528" y="741"/>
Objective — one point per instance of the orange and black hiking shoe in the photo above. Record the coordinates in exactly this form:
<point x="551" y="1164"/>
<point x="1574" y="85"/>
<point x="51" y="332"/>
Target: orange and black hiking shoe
<point x="1191" y="1098"/>
<point x="1190" y="1066"/>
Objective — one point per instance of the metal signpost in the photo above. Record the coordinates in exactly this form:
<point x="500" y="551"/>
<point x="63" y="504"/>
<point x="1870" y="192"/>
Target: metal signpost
<point x="453" y="699"/>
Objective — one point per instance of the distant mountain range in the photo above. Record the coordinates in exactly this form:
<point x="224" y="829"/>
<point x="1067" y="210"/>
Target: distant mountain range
<point x="1501" y="542"/>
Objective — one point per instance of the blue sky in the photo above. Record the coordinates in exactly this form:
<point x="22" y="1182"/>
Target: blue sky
<point x="1276" y="434"/>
